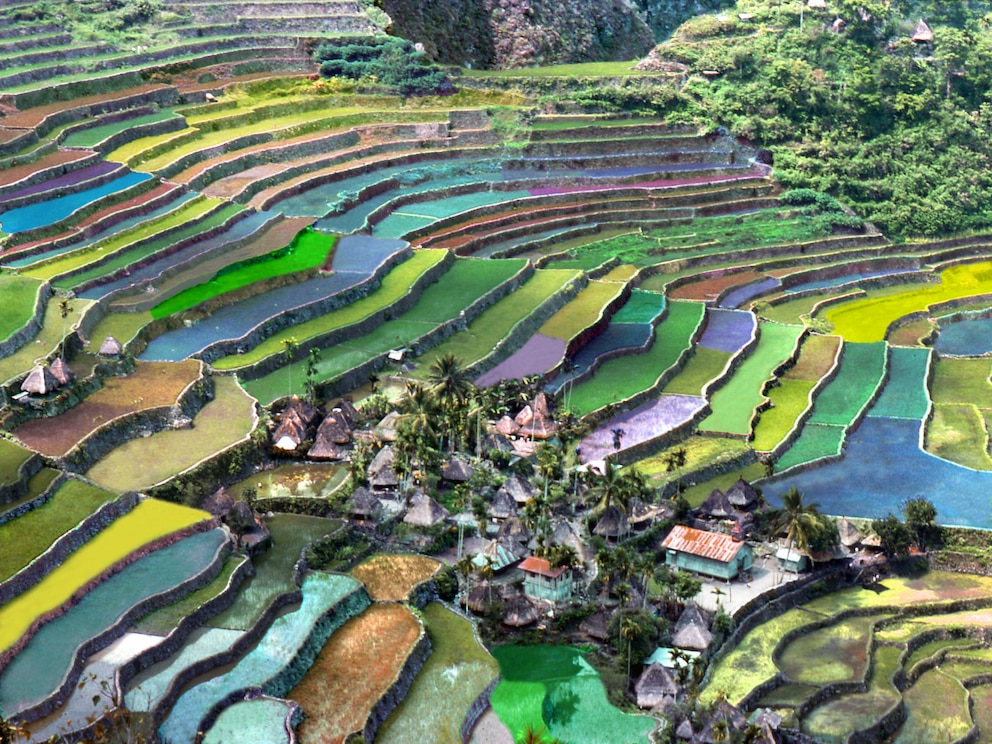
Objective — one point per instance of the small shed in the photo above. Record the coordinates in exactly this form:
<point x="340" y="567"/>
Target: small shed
<point x="654" y="686"/>
<point x="495" y="554"/>
<point x="348" y="412"/>
<point x="514" y="529"/>
<point x="684" y="731"/>
<point x="716" y="506"/>
<point x="503" y="506"/>
<point x="544" y="582"/>
<point x="363" y="504"/>
<point x="40" y="381"/>
<point x="922" y="33"/>
<point x="289" y="434"/>
<point x="613" y="523"/>
<point x="850" y="536"/>
<point x="386" y="429"/>
<point x="305" y="410"/>
<point x="110" y="347"/>
<point x="597" y="625"/>
<point x="792" y="560"/>
<point x="742" y="495"/>
<point x="332" y="434"/>
<point x="708" y="553"/>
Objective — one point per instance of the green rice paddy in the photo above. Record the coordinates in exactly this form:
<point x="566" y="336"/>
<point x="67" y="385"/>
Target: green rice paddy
<point x="585" y="309"/>
<point x="28" y="536"/>
<point x="789" y="400"/>
<point x="139" y="464"/>
<point x="836" y="653"/>
<point x="861" y="370"/>
<point x="455" y="674"/>
<point x="19" y="296"/>
<point x="733" y="405"/>
<point x="621" y="378"/>
<point x="12" y="457"/>
<point x="937" y="708"/>
<point x="396" y="284"/>
<point x="704" y="366"/>
<point x="959" y="433"/>
<point x="555" y="690"/>
<point x="642" y="307"/>
<point x="814" y="443"/>
<point x="48" y="339"/>
<point x="493" y="325"/>
<point x="700" y="452"/>
<point x="150" y="520"/>
<point x="309" y="250"/>
<point x="95" y="135"/>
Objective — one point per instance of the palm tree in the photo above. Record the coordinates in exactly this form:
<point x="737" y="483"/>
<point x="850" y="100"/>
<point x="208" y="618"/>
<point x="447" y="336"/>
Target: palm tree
<point x="310" y="372"/>
<point x="449" y="380"/>
<point x="464" y="568"/>
<point x="486" y="574"/>
<point x="674" y="462"/>
<point x="289" y="347"/>
<point x="609" y="487"/>
<point x="65" y="308"/>
<point x="629" y="630"/>
<point x="799" y="521"/>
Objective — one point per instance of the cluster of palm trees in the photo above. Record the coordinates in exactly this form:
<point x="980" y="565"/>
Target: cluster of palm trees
<point x="802" y="524"/>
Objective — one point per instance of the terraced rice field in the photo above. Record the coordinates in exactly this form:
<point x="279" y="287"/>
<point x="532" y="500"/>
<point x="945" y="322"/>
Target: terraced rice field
<point x="391" y="578"/>
<point x="20" y="294"/>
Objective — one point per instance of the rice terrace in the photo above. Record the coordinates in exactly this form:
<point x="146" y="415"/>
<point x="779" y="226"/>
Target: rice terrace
<point x="495" y="373"/>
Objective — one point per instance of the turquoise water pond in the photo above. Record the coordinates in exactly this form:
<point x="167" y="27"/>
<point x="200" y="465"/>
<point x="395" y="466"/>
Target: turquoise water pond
<point x="52" y="210"/>
<point x="965" y="337"/>
<point x="555" y="688"/>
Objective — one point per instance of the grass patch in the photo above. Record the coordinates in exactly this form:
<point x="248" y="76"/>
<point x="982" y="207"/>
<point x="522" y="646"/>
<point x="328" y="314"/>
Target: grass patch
<point x="122" y="326"/>
<point x="309" y="250"/>
<point x="150" y="520"/>
<point x="395" y="285"/>
<point x="816" y="358"/>
<point x="151" y="385"/>
<point x="962" y="381"/>
<point x="699" y="453"/>
<point x="838" y="717"/>
<point x="789" y="400"/>
<point x="585" y="309"/>
<point x="95" y="135"/>
<point x="957" y="433"/>
<point x="933" y="586"/>
<point x="815" y="442"/>
<point x="291" y="534"/>
<point x="868" y="319"/>
<point x="836" y="653"/>
<point x="937" y="708"/>
<point x="792" y="311"/>
<point x="301" y="479"/>
<point x="138" y="464"/>
<point x="391" y="578"/>
<point x="704" y="366"/>
<point x="750" y="662"/>
<point x="455" y="674"/>
<point x="931" y="649"/>
<point x="493" y="325"/>
<point x="578" y="69"/>
<point x="48" y="339"/>
<point x="164" y="621"/>
<point x="623" y="377"/>
<point x="12" y="457"/>
<point x="861" y="369"/>
<point x="19" y="296"/>
<point x="31" y="534"/>
<point x="555" y="688"/>
<point x="733" y="404"/>
<point x="354" y="669"/>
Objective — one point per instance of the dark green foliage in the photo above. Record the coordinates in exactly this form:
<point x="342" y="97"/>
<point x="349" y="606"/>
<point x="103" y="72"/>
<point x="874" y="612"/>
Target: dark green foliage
<point x="386" y="60"/>
<point x="921" y="519"/>
<point x="895" y="536"/>
<point x="446" y="581"/>
<point x="339" y="551"/>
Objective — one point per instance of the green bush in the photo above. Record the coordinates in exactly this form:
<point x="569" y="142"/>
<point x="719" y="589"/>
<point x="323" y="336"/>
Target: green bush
<point x="388" y="61"/>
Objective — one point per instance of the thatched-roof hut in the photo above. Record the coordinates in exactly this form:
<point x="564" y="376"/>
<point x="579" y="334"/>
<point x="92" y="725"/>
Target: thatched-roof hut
<point x="40" y="381"/>
<point x="507" y="426"/>
<point x="540" y="424"/>
<point x="386" y="429"/>
<point x="110" y="347"/>
<point x="724" y="711"/>
<point x="640" y="514"/>
<point x="597" y="625"/>
<point x="692" y="630"/>
<point x="613" y="523"/>
<point x="289" y="434"/>
<point x="332" y="434"/>
<point x="382" y="473"/>
<point x="62" y="371"/>
<point x="503" y="506"/>
<point x="524" y="416"/>
<point x="742" y="495"/>
<point x="456" y="470"/>
<point x="514" y="529"/>
<point x="850" y="536"/>
<point x="922" y="33"/>
<point x="478" y="597"/>
<point x="348" y="411"/>
<point x="654" y="685"/>
<point x="519" y="611"/>
<point x="306" y="412"/>
<point x="218" y="503"/>
<point x="520" y="490"/>
<point x="363" y="504"/>
<point x="716" y="506"/>
<point x="684" y="730"/>
<point x="425" y="512"/>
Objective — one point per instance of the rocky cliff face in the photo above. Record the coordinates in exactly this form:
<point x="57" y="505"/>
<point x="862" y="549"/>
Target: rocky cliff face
<point x="664" y="16"/>
<point x="521" y="33"/>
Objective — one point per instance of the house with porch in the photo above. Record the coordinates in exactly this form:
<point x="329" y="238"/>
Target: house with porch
<point x="708" y="553"/>
<point x="543" y="582"/>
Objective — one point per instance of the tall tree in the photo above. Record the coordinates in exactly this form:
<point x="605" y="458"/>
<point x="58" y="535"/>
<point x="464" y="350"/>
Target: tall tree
<point x="798" y="520"/>
<point x="289" y="347"/>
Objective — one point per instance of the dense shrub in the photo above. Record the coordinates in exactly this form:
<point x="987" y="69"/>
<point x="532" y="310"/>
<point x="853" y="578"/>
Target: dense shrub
<point x="387" y="61"/>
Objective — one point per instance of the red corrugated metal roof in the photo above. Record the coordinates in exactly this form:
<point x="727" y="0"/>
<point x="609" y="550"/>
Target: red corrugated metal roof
<point x="705" y="544"/>
<point x="541" y="566"/>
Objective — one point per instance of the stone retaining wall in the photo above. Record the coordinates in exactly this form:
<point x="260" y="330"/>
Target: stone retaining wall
<point x="398" y="690"/>
<point x="19" y="491"/>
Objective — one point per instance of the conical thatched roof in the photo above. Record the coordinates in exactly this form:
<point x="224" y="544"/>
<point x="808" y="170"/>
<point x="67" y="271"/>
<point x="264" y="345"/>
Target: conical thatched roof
<point x="386" y="429"/>
<point x="478" y="597"/>
<point x="692" y="630"/>
<point x="716" y="506"/>
<point x="218" y="503"/>
<point x="381" y="471"/>
<point x="324" y="449"/>
<point x="40" y="381"/>
<point x="507" y="426"/>
<point x="640" y="512"/>
<point x="742" y="495"/>
<point x="494" y="441"/>
<point x="335" y="428"/>
<point x="654" y="685"/>
<point x="519" y="490"/>
<point x="62" y="372"/>
<point x="289" y="434"/>
<point x="684" y="730"/>
<point x="817" y="4"/>
<point x="849" y="534"/>
<point x="363" y="503"/>
<point x="348" y="410"/>
<point x="613" y="523"/>
<point x="541" y="424"/>
<point x="564" y="534"/>
<point x="503" y="506"/>
<point x="922" y="32"/>
<point x="426" y="512"/>
<point x="518" y="611"/>
<point x="525" y="416"/>
<point x="456" y="470"/>
<point x="306" y="412"/>
<point x="724" y="712"/>
<point x="110" y="347"/>
<point x="541" y="407"/>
